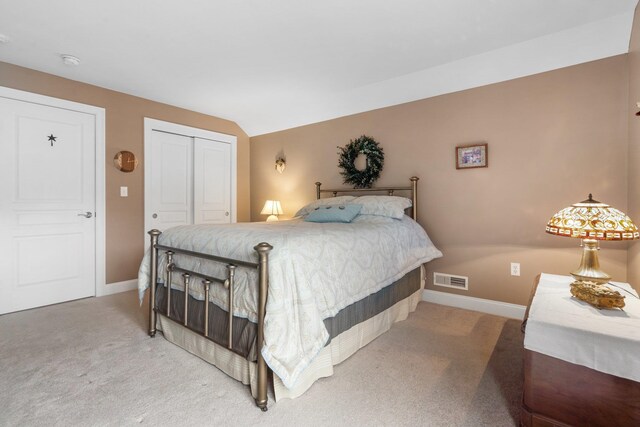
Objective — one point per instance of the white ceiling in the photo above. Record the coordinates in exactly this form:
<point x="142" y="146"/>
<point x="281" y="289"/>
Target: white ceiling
<point x="275" y="64"/>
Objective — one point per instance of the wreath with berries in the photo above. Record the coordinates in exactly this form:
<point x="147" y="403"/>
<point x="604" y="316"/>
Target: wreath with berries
<point x="375" y="160"/>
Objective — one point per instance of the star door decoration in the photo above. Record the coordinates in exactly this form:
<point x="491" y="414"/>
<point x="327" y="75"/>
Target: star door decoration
<point x="52" y="139"/>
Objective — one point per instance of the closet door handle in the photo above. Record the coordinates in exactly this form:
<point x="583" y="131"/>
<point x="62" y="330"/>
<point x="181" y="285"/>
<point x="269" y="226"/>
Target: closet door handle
<point x="86" y="214"/>
<point x="154" y="216"/>
<point x="226" y="213"/>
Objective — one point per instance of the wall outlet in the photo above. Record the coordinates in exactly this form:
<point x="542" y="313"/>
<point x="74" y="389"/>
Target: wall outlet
<point x="515" y="268"/>
<point x="124" y="191"/>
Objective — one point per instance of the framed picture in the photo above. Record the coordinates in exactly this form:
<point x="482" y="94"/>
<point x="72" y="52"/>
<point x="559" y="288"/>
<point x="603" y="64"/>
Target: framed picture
<point x="472" y="156"/>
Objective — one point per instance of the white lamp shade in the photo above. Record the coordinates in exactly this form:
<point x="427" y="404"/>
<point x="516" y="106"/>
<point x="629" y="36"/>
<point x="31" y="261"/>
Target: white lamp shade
<point x="273" y="209"/>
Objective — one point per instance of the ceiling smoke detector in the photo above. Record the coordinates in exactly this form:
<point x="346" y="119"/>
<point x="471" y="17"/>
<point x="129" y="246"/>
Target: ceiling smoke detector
<point x="4" y="39"/>
<point x="70" y="60"/>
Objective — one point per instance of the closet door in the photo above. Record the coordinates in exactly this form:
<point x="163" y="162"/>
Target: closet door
<point x="168" y="194"/>
<point x="211" y="182"/>
<point x="189" y="176"/>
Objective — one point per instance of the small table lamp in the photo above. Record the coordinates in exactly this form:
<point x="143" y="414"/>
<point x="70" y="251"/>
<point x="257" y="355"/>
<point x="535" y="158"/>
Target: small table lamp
<point x="591" y="220"/>
<point x="273" y="209"/>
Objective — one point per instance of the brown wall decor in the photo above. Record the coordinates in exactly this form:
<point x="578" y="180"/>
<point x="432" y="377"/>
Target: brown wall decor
<point x="125" y="161"/>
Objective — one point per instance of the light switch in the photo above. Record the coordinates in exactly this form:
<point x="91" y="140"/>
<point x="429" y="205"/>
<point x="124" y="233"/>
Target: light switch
<point x="124" y="191"/>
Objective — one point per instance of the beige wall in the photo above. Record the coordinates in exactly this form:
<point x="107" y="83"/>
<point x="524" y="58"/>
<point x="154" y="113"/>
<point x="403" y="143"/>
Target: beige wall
<point x="553" y="138"/>
<point x="634" y="147"/>
<point x="124" y="131"/>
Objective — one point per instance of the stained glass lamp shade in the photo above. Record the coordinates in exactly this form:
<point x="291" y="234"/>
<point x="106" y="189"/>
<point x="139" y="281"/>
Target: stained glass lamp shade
<point x="591" y="220"/>
<point x="273" y="209"/>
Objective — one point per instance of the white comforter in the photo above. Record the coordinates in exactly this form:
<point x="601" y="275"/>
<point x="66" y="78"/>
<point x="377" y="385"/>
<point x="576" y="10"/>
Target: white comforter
<point x="315" y="270"/>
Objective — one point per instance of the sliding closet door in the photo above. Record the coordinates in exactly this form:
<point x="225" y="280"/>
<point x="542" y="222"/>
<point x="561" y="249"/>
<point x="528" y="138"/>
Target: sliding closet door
<point x="189" y="176"/>
<point x="211" y="182"/>
<point x="169" y="190"/>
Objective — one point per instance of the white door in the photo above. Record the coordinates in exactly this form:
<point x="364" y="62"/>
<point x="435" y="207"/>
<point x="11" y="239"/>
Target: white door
<point x="211" y="182"/>
<point x="47" y="205"/>
<point x="188" y="180"/>
<point x="170" y="168"/>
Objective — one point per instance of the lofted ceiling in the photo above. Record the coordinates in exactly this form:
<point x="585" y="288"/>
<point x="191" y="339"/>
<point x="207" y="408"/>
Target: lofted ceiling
<point x="276" y="64"/>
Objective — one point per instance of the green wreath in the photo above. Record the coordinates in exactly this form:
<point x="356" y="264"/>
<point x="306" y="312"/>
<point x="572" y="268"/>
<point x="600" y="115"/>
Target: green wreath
<point x="375" y="160"/>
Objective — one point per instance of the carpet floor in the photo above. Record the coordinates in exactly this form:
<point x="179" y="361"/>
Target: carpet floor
<point x="90" y="363"/>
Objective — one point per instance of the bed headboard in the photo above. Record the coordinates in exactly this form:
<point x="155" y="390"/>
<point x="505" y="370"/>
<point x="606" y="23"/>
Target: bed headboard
<point x="412" y="189"/>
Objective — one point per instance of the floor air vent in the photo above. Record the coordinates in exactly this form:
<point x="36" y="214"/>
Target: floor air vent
<point x="451" y="281"/>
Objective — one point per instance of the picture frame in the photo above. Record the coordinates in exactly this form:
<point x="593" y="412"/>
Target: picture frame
<point x="472" y="156"/>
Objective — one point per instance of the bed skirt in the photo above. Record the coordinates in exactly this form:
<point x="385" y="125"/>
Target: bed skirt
<point x="339" y="349"/>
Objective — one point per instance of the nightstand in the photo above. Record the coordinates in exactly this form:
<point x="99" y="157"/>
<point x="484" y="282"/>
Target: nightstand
<point x="581" y="364"/>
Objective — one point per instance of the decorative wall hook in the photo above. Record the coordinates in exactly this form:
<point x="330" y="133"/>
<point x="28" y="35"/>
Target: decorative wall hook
<point x="52" y="139"/>
<point x="281" y="163"/>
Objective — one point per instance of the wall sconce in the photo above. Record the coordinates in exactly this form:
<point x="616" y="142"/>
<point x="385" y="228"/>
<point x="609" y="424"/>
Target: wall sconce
<point x="281" y="163"/>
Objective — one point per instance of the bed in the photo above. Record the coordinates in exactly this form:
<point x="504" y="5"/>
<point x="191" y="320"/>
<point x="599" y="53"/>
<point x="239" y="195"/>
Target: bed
<point x="288" y="300"/>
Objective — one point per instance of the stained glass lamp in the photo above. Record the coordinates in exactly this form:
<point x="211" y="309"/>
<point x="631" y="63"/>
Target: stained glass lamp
<point x="273" y="209"/>
<point x="591" y="220"/>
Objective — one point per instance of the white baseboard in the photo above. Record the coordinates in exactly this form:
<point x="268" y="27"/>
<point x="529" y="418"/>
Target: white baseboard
<point x="497" y="308"/>
<point x="114" y="288"/>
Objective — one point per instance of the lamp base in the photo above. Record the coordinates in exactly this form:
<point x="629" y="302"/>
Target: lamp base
<point x="271" y="218"/>
<point x="589" y="269"/>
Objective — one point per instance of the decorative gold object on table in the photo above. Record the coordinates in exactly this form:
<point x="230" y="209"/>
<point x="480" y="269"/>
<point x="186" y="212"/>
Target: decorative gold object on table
<point x="598" y="295"/>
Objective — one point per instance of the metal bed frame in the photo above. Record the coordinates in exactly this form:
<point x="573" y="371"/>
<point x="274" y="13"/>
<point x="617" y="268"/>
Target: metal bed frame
<point x="262" y="266"/>
<point x="389" y="190"/>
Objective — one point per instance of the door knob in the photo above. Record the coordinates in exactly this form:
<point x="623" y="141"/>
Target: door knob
<point x="86" y="214"/>
<point x="226" y="214"/>
<point x="154" y="216"/>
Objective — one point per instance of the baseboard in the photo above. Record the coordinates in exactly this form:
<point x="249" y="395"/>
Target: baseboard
<point x="497" y="308"/>
<point x="114" y="288"/>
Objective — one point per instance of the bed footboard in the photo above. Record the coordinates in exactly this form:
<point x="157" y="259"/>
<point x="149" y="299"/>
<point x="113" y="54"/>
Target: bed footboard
<point x="262" y="267"/>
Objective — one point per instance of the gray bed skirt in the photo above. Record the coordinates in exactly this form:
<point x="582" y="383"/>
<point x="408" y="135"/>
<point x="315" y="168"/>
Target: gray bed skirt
<point x="244" y="331"/>
<point x="351" y="329"/>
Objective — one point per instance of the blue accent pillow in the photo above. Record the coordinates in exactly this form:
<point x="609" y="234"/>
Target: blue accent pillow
<point x="336" y="213"/>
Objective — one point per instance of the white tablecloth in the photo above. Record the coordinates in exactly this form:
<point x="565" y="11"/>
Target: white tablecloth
<point x="572" y="330"/>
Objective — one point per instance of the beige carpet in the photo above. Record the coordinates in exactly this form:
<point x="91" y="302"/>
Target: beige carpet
<point x="90" y="362"/>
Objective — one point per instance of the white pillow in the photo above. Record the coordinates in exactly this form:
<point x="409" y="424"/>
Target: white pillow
<point x="329" y="201"/>
<point x="373" y="219"/>
<point x="391" y="206"/>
